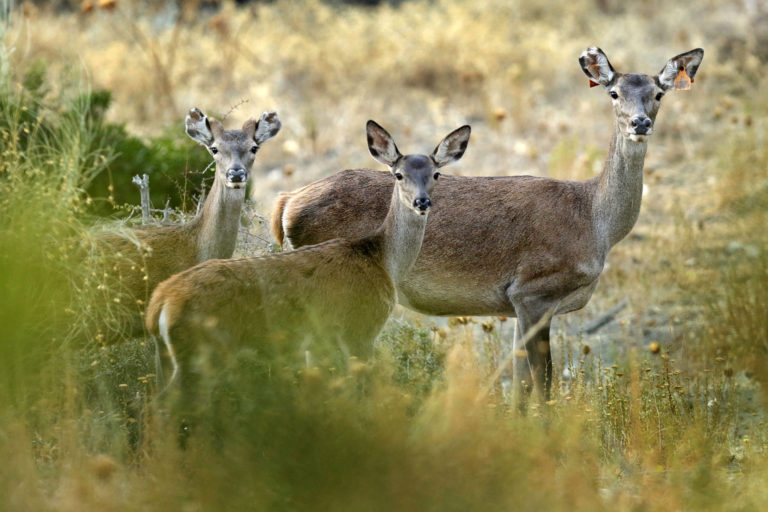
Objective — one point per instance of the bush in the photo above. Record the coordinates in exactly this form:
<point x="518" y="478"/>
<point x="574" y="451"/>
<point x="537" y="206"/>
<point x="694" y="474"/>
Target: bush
<point x="173" y="162"/>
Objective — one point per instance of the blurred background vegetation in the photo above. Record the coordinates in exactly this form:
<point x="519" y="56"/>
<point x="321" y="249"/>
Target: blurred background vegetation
<point x="94" y="92"/>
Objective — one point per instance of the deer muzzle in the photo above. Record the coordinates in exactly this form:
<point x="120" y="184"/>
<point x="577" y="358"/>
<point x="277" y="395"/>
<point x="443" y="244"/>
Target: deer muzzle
<point x="236" y="177"/>
<point x="422" y="204"/>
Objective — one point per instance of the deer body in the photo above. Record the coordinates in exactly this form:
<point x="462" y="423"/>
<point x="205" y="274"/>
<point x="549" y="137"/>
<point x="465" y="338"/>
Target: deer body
<point x="302" y="296"/>
<point x="337" y="294"/>
<point x="521" y="245"/>
<point x="503" y="249"/>
<point x="149" y="255"/>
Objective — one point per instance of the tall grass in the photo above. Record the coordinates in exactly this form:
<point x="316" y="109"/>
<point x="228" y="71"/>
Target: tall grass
<point x="46" y="163"/>
<point x="317" y="440"/>
<point x="742" y="299"/>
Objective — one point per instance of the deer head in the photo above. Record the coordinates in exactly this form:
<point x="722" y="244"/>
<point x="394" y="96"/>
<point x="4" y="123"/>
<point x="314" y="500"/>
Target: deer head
<point x="232" y="150"/>
<point x="415" y="174"/>
<point x="637" y="97"/>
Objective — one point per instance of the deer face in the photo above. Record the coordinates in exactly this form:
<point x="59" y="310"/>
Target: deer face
<point x="416" y="175"/>
<point x="232" y="150"/>
<point x="636" y="97"/>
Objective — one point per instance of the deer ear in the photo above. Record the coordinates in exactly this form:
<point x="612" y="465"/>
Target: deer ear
<point x="597" y="67"/>
<point x="267" y="127"/>
<point x="198" y="127"/>
<point x="381" y="144"/>
<point x="678" y="73"/>
<point x="452" y="147"/>
<point x="249" y="127"/>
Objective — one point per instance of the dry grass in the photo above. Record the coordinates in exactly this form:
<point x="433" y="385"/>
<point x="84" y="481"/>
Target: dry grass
<point x="423" y="427"/>
<point x="421" y="69"/>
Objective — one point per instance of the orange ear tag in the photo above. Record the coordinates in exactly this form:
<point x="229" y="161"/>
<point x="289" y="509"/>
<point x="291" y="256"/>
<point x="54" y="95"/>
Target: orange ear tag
<point x="595" y="72"/>
<point x="682" y="81"/>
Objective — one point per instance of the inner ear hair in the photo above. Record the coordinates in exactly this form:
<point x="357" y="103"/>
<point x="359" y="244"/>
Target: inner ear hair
<point x="249" y="127"/>
<point x="215" y="126"/>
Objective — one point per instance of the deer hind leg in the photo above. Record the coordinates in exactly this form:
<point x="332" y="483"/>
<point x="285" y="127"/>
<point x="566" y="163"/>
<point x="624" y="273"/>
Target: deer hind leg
<point x="167" y="348"/>
<point x="178" y="395"/>
<point x="532" y="370"/>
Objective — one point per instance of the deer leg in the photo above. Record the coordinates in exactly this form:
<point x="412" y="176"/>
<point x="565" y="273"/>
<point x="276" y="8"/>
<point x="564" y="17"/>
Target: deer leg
<point x="177" y="379"/>
<point x="532" y="371"/>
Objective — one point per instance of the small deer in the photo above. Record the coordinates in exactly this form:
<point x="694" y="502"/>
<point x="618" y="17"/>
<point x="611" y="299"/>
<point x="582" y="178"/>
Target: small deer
<point x="335" y="295"/>
<point x="149" y="255"/>
<point x="522" y="246"/>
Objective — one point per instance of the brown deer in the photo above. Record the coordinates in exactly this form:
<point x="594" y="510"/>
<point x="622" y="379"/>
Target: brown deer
<point x="145" y="256"/>
<point x="519" y="245"/>
<point x="331" y="297"/>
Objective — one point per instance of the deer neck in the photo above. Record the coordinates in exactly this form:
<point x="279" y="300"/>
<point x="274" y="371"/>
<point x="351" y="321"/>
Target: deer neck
<point x="218" y="222"/>
<point x="619" y="189"/>
<point x="403" y="232"/>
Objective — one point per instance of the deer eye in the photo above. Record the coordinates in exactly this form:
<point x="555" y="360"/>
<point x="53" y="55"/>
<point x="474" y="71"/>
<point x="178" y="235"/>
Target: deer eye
<point x="254" y="149"/>
<point x="214" y="150"/>
<point x="437" y="175"/>
<point x="614" y="95"/>
<point x="659" y="96"/>
<point x="398" y="176"/>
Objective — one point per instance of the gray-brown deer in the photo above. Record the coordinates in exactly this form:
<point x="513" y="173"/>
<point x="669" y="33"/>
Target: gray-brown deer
<point x="331" y="298"/>
<point x="149" y="255"/>
<point x="520" y="245"/>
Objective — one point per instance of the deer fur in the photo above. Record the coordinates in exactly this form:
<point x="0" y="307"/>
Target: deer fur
<point x="330" y="298"/>
<point x="521" y="245"/>
<point x="146" y="256"/>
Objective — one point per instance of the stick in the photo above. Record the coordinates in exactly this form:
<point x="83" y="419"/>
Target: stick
<point x="595" y="325"/>
<point x="143" y="183"/>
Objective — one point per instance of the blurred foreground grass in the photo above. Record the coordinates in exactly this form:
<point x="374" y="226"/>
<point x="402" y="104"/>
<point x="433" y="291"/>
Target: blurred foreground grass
<point x="424" y="426"/>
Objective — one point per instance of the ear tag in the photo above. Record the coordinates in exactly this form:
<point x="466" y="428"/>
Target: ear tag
<point x="682" y="81"/>
<point x="594" y="70"/>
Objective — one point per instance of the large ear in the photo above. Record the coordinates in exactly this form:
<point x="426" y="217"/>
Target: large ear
<point x="265" y="128"/>
<point x="452" y="147"/>
<point x="381" y="145"/>
<point x="597" y="67"/>
<point x="200" y="128"/>
<point x="679" y="71"/>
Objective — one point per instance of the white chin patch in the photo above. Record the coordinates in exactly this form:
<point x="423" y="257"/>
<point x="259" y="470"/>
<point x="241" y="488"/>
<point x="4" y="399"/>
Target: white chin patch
<point x="423" y="212"/>
<point x="235" y="185"/>
<point x="638" y="138"/>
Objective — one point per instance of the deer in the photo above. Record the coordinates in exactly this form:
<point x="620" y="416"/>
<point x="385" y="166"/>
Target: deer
<point x="330" y="299"/>
<point x="146" y="256"/>
<point x="520" y="246"/>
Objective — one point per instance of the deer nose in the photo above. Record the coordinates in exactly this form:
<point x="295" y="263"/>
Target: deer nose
<point x="641" y="124"/>
<point x="236" y="175"/>
<point x="422" y="203"/>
